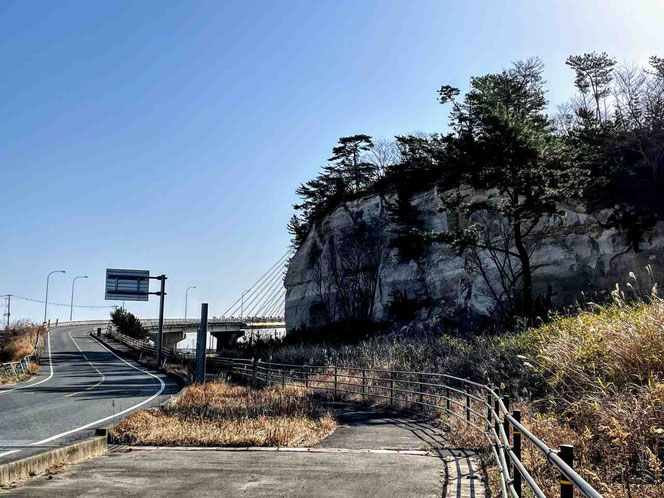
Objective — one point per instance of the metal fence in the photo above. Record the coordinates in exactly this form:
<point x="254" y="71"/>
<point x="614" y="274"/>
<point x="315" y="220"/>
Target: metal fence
<point x="16" y="368"/>
<point x="481" y="407"/>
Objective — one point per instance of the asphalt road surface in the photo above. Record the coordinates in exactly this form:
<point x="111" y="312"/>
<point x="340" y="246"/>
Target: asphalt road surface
<point x="81" y="386"/>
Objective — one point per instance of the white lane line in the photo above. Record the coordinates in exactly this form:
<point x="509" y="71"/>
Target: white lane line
<point x="103" y="377"/>
<point x="96" y="422"/>
<point x="50" y="363"/>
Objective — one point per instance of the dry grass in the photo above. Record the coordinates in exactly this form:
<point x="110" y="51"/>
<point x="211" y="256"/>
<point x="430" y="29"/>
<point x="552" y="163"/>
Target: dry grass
<point x="18" y="341"/>
<point x="594" y="380"/>
<point x="219" y="414"/>
<point x="605" y="370"/>
<point x="15" y="343"/>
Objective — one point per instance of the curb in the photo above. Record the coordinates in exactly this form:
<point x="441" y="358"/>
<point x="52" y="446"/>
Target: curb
<point x="25" y="468"/>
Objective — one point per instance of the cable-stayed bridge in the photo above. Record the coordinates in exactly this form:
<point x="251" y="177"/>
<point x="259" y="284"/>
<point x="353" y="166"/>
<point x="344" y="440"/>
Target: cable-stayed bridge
<point x="259" y="307"/>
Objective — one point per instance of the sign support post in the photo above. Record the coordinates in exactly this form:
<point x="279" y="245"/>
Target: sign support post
<point x="160" y="332"/>
<point x="201" y="345"/>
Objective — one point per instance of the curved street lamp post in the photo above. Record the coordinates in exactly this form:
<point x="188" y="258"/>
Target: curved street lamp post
<point x="46" y="300"/>
<point x="186" y="299"/>
<point x="71" y="306"/>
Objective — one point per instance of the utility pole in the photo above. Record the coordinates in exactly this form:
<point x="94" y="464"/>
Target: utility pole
<point x="8" y="297"/>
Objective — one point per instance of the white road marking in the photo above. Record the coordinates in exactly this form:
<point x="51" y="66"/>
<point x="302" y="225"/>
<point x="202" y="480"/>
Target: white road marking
<point x="101" y="420"/>
<point x="50" y="363"/>
<point x="103" y="377"/>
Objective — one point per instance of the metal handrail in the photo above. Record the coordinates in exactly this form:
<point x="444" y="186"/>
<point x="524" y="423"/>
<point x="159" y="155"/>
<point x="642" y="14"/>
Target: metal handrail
<point x="498" y="419"/>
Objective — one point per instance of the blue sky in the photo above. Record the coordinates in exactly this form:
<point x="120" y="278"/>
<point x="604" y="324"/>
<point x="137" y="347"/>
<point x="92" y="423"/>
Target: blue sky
<point x="170" y="136"/>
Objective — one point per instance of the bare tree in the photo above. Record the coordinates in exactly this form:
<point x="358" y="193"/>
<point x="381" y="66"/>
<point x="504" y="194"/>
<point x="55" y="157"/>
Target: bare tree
<point x="385" y="153"/>
<point x="639" y="102"/>
<point x="354" y="262"/>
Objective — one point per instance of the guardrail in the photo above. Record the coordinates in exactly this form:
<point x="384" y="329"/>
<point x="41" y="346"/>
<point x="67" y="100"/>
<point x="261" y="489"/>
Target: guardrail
<point x="178" y="322"/>
<point x="482" y="407"/>
<point x="142" y="346"/>
<point x="149" y="348"/>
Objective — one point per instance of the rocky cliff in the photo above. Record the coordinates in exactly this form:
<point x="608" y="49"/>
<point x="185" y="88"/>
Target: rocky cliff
<point x="577" y="256"/>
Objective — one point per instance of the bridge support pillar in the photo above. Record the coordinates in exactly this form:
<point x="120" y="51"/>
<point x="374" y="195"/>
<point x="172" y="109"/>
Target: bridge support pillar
<point x="226" y="339"/>
<point x="170" y="338"/>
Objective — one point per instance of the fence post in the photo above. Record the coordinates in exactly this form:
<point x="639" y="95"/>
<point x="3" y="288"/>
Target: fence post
<point x="488" y="408"/>
<point x="255" y="370"/>
<point x="516" y="436"/>
<point x="567" y="455"/>
<point x="283" y="378"/>
<point x="364" y="385"/>
<point x="335" y="382"/>
<point x="421" y="389"/>
<point x="306" y="377"/>
<point x="448" y="404"/>
<point x="391" y="388"/>
<point x="467" y="408"/>
<point x="506" y="423"/>
<point x="496" y="423"/>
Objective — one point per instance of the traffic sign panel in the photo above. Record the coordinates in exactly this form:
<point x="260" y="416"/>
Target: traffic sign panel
<point x="127" y="285"/>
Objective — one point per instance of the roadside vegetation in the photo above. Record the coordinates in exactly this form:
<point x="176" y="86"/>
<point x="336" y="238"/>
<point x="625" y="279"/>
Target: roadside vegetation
<point x="593" y="378"/>
<point x="128" y="324"/>
<point x="16" y="342"/>
<point x="220" y="414"/>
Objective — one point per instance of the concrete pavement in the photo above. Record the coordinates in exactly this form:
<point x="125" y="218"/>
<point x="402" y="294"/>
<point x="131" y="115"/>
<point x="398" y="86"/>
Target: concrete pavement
<point x="382" y="455"/>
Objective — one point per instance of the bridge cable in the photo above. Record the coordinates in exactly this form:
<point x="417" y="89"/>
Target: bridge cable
<point x="257" y="281"/>
<point x="273" y="307"/>
<point x="276" y="275"/>
<point x="254" y="287"/>
<point x="265" y="292"/>
<point x="270" y="301"/>
<point x="280" y="303"/>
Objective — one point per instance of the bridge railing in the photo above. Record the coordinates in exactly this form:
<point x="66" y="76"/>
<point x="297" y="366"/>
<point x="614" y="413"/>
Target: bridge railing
<point x="482" y="408"/>
<point x="177" y="322"/>
<point x="78" y="323"/>
<point x="138" y="345"/>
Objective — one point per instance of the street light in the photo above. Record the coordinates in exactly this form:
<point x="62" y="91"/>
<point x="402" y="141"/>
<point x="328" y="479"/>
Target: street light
<point x="71" y="306"/>
<point x="186" y="299"/>
<point x="46" y="300"/>
<point x="242" y="305"/>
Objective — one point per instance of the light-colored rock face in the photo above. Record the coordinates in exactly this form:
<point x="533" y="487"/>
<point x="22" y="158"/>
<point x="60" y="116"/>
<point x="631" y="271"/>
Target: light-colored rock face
<point x="577" y="258"/>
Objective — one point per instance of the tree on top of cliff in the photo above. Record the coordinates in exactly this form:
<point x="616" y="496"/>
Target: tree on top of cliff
<point x="503" y="145"/>
<point x="594" y="73"/>
<point x="348" y="162"/>
<point x="346" y="173"/>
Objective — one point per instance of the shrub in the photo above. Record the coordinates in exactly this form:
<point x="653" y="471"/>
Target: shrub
<point x="128" y="324"/>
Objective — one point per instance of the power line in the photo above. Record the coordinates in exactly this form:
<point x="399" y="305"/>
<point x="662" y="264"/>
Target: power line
<point x="57" y="304"/>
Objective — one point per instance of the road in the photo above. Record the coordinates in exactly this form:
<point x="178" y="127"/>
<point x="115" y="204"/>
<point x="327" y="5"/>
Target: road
<point x="81" y="386"/>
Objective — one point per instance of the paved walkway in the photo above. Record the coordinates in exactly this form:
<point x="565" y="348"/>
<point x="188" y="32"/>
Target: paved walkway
<point x="373" y="454"/>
